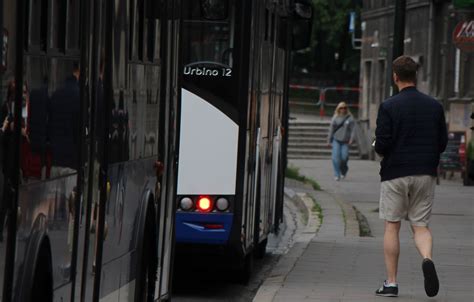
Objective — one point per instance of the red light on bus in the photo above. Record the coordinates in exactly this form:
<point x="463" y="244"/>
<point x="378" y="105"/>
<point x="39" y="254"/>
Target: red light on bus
<point x="204" y="204"/>
<point x="214" y="226"/>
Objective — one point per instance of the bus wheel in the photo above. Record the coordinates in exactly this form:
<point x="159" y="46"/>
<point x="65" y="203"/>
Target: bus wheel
<point x="261" y="249"/>
<point x="42" y="289"/>
<point x="245" y="272"/>
<point x="145" y="280"/>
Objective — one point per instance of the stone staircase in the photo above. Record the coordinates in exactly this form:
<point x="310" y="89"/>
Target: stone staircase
<point x="308" y="139"/>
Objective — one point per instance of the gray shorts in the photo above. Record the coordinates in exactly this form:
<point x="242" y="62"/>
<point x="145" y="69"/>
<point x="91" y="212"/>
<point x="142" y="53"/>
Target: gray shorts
<point x="409" y="198"/>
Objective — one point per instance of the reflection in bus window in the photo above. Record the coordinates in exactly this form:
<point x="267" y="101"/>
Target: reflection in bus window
<point x="210" y="41"/>
<point x="58" y="31"/>
<point x="38" y="10"/>
<point x="63" y="125"/>
<point x="214" y="9"/>
<point x="73" y="24"/>
<point x="119" y="132"/>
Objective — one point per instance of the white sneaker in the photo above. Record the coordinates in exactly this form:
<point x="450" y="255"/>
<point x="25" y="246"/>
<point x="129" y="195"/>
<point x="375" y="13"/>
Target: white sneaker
<point x="343" y="176"/>
<point x="337" y="178"/>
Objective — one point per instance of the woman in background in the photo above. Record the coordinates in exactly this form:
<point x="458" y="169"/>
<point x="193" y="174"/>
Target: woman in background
<point x="341" y="135"/>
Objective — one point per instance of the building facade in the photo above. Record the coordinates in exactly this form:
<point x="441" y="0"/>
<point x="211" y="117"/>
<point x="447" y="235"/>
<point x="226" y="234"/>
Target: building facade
<point x="446" y="72"/>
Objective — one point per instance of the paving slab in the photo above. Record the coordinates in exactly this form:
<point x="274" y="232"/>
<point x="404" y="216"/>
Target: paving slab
<point x="338" y="266"/>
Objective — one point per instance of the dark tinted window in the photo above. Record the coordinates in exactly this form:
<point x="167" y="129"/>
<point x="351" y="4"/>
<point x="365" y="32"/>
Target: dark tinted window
<point x="206" y="40"/>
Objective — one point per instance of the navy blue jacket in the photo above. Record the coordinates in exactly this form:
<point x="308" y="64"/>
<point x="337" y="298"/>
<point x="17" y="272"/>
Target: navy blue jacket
<point x="411" y="134"/>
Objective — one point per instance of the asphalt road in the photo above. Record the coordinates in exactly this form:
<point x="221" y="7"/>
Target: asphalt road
<point x="214" y="284"/>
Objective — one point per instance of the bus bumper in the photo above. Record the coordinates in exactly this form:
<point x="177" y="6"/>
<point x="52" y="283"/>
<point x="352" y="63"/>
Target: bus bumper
<point x="203" y="228"/>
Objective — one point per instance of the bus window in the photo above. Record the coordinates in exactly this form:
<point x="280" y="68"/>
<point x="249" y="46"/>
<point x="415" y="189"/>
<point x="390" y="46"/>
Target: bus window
<point x="137" y="29"/>
<point x="153" y="29"/>
<point x="73" y="24"/>
<point x="38" y="24"/>
<point x="13" y="111"/>
<point x="214" y="9"/>
<point x="209" y="41"/>
<point x="58" y="30"/>
<point x="63" y="132"/>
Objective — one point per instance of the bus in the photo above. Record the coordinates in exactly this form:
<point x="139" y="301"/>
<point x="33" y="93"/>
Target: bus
<point x="88" y="149"/>
<point x="234" y="113"/>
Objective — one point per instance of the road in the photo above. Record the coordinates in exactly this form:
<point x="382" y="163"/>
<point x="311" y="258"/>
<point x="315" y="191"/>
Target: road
<point x="217" y="285"/>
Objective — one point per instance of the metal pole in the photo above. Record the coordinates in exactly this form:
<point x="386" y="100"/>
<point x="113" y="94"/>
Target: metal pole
<point x="398" y="33"/>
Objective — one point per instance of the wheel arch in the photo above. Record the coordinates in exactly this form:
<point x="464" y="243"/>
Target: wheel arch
<point x="38" y="252"/>
<point x="147" y="230"/>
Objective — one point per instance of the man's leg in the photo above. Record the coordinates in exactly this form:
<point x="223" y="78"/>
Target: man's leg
<point x="423" y="240"/>
<point x="391" y="247"/>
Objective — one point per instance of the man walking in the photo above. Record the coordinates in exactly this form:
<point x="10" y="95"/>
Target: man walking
<point x="411" y="134"/>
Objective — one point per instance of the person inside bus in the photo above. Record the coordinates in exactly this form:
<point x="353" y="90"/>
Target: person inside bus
<point x="63" y="130"/>
<point x="7" y="146"/>
<point x="340" y="137"/>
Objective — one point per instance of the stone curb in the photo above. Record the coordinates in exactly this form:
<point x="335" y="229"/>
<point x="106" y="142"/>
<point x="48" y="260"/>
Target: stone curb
<point x="273" y="283"/>
<point x="275" y="280"/>
<point x="352" y="228"/>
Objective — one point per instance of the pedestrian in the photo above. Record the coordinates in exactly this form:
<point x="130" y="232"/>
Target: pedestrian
<point x="340" y="137"/>
<point x="410" y="136"/>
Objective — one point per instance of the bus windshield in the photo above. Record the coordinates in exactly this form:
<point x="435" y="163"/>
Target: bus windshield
<point x="207" y="33"/>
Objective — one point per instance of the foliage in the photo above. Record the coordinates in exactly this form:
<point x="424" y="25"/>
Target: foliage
<point x="294" y="173"/>
<point x="330" y="36"/>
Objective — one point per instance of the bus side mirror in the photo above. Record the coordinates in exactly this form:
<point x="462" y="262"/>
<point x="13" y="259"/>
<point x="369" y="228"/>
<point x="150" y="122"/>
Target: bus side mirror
<point x="302" y="24"/>
<point x="214" y="9"/>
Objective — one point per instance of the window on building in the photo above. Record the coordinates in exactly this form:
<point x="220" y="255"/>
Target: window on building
<point x="37" y="17"/>
<point x="73" y="24"/>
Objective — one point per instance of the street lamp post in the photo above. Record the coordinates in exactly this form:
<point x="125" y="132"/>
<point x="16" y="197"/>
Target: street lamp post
<point x="398" y="34"/>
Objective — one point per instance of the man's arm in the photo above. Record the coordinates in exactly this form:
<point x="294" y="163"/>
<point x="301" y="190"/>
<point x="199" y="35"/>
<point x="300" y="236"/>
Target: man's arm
<point x="383" y="132"/>
<point x="443" y="133"/>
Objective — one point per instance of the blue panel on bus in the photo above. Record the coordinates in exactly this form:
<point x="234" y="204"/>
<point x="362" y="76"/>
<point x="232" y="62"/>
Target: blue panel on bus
<point x="210" y="228"/>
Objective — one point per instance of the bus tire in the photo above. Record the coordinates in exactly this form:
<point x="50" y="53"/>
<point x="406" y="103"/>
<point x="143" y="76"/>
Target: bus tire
<point x="261" y="249"/>
<point x="245" y="272"/>
<point x="147" y="264"/>
<point x="42" y="286"/>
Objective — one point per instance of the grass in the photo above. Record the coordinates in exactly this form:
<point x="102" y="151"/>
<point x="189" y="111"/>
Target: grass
<point x="294" y="173"/>
<point x="317" y="209"/>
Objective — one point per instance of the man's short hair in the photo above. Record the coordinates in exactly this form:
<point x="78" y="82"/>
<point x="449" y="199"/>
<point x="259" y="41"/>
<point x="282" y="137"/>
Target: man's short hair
<point x="405" y="68"/>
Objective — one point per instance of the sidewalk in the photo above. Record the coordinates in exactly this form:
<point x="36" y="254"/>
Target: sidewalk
<point x="337" y="265"/>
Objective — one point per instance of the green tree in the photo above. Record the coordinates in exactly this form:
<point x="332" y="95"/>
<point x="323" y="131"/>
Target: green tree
<point x="331" y="49"/>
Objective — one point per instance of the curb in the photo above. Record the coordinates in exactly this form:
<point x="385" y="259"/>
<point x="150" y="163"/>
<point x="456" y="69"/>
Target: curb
<point x="352" y="228"/>
<point x="271" y="285"/>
